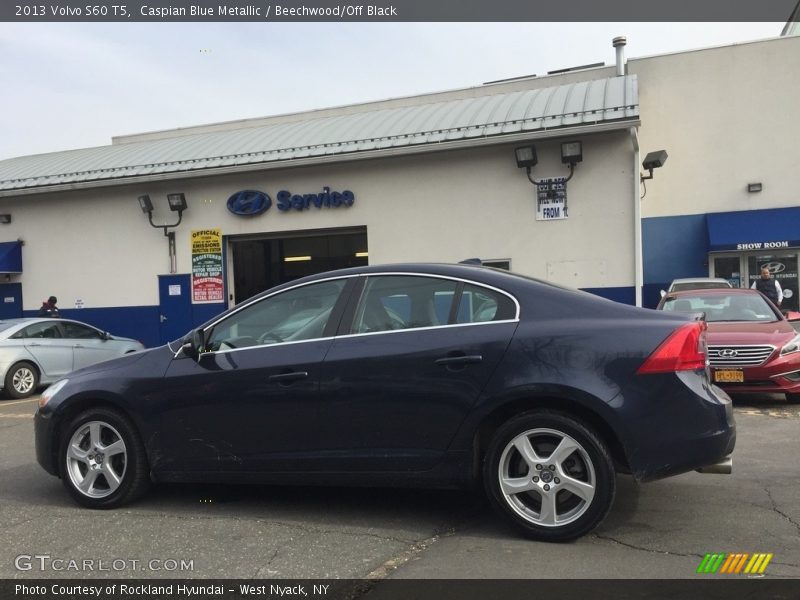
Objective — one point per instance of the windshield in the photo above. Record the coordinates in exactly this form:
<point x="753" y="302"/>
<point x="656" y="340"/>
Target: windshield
<point x="724" y="307"/>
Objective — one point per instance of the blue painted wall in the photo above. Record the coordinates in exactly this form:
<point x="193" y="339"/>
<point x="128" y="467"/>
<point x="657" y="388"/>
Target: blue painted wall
<point x="625" y="295"/>
<point x="672" y="247"/>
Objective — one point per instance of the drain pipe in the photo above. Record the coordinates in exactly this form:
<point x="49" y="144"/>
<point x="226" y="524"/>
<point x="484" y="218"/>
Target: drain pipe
<point x="619" y="44"/>
<point x="638" y="270"/>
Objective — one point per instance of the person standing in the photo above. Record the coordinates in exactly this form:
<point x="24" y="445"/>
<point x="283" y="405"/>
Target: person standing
<point x="769" y="287"/>
<point x="49" y="308"/>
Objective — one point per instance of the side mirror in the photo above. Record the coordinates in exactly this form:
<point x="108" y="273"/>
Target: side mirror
<point x="194" y="343"/>
<point x="663" y="293"/>
<point x="106" y="336"/>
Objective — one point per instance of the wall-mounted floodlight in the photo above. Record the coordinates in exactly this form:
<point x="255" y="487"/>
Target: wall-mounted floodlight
<point x="145" y="204"/>
<point x="571" y="153"/>
<point x="653" y="160"/>
<point x="526" y="157"/>
<point x="177" y="203"/>
<point x="5" y="219"/>
<point x="751" y="187"/>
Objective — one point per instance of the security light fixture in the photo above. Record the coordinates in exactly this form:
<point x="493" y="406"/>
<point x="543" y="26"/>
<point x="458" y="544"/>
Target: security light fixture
<point x="146" y="204"/>
<point x="751" y="187"/>
<point x="526" y="157"/>
<point x="571" y="153"/>
<point x="177" y="203"/>
<point x="653" y="160"/>
<point x="5" y="219"/>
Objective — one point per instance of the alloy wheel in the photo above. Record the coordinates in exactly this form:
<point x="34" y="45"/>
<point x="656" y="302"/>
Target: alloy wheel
<point x="96" y="459"/>
<point x="547" y="477"/>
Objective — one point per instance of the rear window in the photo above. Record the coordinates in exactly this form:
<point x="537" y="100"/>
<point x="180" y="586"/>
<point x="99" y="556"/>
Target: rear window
<point x="699" y="285"/>
<point x="724" y="307"/>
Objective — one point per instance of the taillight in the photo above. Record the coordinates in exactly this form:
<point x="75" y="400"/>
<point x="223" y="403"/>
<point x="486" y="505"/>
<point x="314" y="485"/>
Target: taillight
<point x="683" y="350"/>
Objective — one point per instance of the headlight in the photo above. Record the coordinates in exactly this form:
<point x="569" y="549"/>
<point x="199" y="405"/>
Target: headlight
<point x="792" y="346"/>
<point x="51" y="391"/>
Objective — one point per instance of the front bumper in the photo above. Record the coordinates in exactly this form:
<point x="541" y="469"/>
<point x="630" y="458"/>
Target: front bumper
<point x="44" y="434"/>
<point x="780" y="375"/>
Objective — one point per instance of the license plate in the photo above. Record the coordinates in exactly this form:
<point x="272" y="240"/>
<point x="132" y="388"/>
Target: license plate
<point x="729" y="376"/>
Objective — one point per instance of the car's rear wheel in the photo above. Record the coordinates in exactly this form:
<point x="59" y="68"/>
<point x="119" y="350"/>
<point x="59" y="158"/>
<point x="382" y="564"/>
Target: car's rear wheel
<point x="550" y="475"/>
<point x="103" y="462"/>
<point x="22" y="379"/>
<point x="793" y="398"/>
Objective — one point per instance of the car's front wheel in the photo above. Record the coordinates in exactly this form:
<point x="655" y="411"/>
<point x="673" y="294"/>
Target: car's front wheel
<point x="22" y="379"/>
<point x="103" y="462"/>
<point x="550" y="474"/>
<point x="793" y="398"/>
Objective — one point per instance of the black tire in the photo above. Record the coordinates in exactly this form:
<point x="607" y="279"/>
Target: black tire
<point x="589" y="465"/>
<point x="22" y="380"/>
<point x="793" y="398"/>
<point x="130" y="467"/>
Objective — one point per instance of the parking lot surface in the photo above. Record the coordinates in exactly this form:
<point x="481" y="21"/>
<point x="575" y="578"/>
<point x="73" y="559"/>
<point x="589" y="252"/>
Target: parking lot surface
<point x="655" y="530"/>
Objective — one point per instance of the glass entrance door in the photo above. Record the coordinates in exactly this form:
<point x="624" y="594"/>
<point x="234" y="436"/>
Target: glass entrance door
<point x="783" y="267"/>
<point x="729" y="267"/>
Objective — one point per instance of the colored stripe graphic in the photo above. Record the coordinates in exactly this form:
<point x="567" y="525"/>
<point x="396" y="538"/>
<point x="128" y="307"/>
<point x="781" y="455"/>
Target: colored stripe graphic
<point x="729" y="562"/>
<point x="734" y="563"/>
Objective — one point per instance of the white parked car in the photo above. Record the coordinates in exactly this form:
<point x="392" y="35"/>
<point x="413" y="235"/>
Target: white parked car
<point x="696" y="283"/>
<point x="40" y="351"/>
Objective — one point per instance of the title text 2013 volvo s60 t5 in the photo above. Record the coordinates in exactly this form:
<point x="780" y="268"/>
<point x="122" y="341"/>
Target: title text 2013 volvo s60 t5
<point x="415" y="375"/>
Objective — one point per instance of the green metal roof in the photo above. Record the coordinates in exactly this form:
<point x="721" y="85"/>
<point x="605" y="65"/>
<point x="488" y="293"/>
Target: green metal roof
<point x="490" y="118"/>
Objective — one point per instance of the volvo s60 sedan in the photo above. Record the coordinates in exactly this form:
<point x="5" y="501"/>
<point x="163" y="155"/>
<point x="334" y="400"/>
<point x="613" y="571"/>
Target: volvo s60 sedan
<point x="449" y="376"/>
<point x="40" y="351"/>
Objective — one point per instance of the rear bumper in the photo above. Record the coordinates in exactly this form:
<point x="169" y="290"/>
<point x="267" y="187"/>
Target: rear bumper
<point x="689" y="427"/>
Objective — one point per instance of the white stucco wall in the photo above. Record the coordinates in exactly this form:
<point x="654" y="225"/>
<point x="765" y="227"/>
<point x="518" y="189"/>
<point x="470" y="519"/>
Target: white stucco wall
<point x="727" y="116"/>
<point x="97" y="245"/>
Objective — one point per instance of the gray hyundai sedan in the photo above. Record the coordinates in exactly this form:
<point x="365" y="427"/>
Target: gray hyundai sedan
<point x="40" y="351"/>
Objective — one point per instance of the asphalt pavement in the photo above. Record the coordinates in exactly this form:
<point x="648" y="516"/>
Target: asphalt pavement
<point x="655" y="530"/>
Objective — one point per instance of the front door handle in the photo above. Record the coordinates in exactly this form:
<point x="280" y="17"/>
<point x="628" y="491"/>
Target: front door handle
<point x="288" y="377"/>
<point x="467" y="359"/>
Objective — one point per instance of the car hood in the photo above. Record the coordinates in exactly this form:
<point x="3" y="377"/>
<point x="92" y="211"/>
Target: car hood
<point x="118" y="363"/>
<point x="776" y="333"/>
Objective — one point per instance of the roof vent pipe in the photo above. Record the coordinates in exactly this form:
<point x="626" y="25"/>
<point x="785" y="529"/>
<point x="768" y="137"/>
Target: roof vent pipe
<point x="619" y="44"/>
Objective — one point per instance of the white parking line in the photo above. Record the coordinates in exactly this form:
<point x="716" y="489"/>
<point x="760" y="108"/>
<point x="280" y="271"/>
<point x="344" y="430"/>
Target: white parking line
<point x="4" y="404"/>
<point x="15" y="416"/>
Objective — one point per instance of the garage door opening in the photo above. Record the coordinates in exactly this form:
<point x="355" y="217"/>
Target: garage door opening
<point x="266" y="261"/>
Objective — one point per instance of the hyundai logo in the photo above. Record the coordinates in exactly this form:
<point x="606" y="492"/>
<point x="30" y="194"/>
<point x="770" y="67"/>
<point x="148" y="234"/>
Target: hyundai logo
<point x="728" y="353"/>
<point x="774" y="267"/>
<point x="249" y="203"/>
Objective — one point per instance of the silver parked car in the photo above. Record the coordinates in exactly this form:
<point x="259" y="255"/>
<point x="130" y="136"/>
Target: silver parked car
<point x="41" y="351"/>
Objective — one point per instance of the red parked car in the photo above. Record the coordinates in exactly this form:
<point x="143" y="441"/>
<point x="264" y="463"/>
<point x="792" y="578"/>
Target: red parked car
<point x="752" y="347"/>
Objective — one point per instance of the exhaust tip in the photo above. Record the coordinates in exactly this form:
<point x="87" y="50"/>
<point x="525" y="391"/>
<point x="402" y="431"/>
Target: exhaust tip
<point x="723" y="467"/>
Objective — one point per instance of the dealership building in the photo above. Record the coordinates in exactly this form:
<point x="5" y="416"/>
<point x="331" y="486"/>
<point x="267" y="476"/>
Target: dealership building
<point x="160" y="231"/>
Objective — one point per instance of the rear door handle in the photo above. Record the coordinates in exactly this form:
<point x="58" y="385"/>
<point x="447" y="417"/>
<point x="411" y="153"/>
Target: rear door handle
<point x="288" y="377"/>
<point x="459" y="360"/>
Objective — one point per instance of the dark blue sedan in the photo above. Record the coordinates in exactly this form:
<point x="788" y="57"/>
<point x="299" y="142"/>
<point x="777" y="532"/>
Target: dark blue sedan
<point x="403" y="375"/>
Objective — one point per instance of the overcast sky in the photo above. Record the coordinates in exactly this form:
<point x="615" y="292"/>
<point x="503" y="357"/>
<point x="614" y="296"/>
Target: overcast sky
<point x="75" y="85"/>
